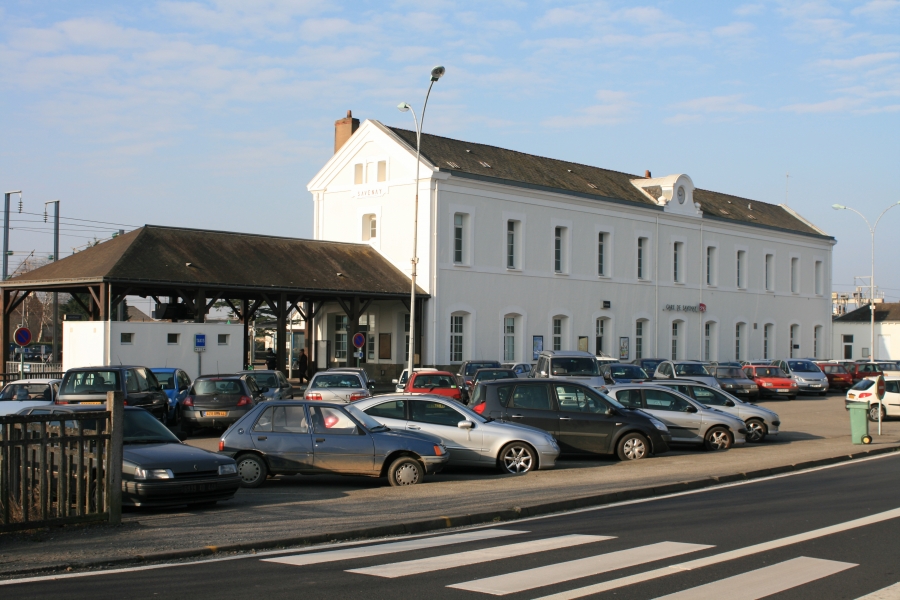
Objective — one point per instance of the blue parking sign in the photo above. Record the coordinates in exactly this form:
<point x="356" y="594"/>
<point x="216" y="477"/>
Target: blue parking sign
<point x="199" y="340"/>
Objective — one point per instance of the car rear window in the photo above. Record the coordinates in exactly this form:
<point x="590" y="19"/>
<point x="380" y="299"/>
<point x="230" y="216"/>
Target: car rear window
<point x="863" y="384"/>
<point x="803" y="366"/>
<point x="729" y="373"/>
<point x="342" y="380"/>
<point x="832" y="369"/>
<point x="472" y="367"/>
<point x="769" y="372"/>
<point x="91" y="382"/>
<point x="209" y="387"/>
<point x="268" y="380"/>
<point x="27" y="391"/>
<point x="166" y="380"/>
<point x="627" y="372"/>
<point x="433" y="381"/>
<point x="483" y="375"/>
<point x="690" y="369"/>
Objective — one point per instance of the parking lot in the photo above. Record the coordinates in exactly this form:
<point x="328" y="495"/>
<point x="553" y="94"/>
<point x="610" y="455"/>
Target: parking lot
<point x="813" y="428"/>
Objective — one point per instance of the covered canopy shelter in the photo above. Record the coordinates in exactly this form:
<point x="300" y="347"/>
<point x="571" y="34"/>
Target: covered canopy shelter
<point x="189" y="270"/>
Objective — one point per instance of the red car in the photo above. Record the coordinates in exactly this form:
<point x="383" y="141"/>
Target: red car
<point x="838" y="377"/>
<point x="442" y="383"/>
<point x="771" y="381"/>
<point x="861" y="370"/>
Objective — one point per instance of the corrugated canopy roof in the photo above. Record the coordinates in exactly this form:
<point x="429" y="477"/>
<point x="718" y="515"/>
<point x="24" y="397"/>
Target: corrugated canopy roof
<point x="198" y="258"/>
<point x="457" y="156"/>
<point x="887" y="311"/>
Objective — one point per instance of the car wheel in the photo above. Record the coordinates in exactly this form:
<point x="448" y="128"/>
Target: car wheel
<point x="633" y="446"/>
<point x="756" y="430"/>
<point x="252" y="470"/>
<point x="517" y="458"/>
<point x="405" y="471"/>
<point x="718" y="438"/>
<point x="873" y="413"/>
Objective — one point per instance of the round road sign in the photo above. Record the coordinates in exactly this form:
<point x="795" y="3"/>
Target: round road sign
<point x="879" y="387"/>
<point x="22" y="336"/>
<point x="359" y="340"/>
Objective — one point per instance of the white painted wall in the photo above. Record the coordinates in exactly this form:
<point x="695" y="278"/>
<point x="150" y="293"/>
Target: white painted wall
<point x="85" y="345"/>
<point x="887" y="340"/>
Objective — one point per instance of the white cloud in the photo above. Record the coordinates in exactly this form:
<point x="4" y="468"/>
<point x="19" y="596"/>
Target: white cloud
<point x="859" y="62"/>
<point x="747" y="10"/>
<point x="614" y="107"/>
<point x="844" y="104"/>
<point x="738" y="29"/>
<point x="719" y="104"/>
<point x="877" y="8"/>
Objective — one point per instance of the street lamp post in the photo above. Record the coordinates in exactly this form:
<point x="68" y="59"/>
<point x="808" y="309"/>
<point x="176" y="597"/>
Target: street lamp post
<point x="6" y="197"/>
<point x="55" y="312"/>
<point x="436" y="73"/>
<point x="871" y="284"/>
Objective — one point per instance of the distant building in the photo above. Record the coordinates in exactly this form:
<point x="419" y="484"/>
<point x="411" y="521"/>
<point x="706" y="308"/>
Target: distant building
<point x="852" y="335"/>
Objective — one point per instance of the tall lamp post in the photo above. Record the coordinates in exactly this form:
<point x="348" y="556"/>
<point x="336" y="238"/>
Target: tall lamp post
<point x="436" y="73"/>
<point x="55" y="353"/>
<point x="871" y="283"/>
<point x="6" y="197"/>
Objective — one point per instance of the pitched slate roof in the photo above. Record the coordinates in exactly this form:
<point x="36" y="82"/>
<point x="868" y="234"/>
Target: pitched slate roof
<point x="887" y="311"/>
<point x="469" y="159"/>
<point x="225" y="260"/>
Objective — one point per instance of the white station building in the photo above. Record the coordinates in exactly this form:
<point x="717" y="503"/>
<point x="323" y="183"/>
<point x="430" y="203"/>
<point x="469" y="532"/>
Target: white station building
<point x="520" y="253"/>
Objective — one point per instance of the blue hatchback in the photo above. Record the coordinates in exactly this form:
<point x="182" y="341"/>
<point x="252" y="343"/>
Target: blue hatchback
<point x="175" y="383"/>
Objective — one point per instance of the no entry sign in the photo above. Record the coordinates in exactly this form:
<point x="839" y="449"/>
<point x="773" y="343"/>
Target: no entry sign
<point x="22" y="336"/>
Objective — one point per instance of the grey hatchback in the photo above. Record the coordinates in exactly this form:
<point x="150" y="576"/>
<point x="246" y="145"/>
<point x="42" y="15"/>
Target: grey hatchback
<point x="88" y="385"/>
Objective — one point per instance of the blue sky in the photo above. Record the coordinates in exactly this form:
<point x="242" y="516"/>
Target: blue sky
<point x="216" y="113"/>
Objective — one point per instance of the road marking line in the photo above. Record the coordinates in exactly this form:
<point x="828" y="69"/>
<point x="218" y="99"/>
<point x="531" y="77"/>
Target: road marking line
<point x="500" y="585"/>
<point x="450" y="561"/>
<point x="314" y="558"/>
<point x="725" y="556"/>
<point x="765" y="581"/>
<point x="891" y="592"/>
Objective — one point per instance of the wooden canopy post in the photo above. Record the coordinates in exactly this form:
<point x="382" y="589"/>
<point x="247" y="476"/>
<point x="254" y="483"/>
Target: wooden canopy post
<point x="281" y="332"/>
<point x="5" y="337"/>
<point x="245" y="321"/>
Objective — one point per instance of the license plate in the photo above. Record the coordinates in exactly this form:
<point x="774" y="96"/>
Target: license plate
<point x="93" y="403"/>
<point x="783" y="391"/>
<point x="215" y="413"/>
<point x="195" y="488"/>
<point x="852" y="396"/>
<point x="815" y="385"/>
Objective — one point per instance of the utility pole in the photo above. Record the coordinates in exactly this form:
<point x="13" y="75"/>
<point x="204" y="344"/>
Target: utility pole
<point x="6" y="197"/>
<point x="54" y="356"/>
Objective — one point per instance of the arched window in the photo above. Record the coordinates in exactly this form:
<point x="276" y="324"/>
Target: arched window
<point x="640" y="331"/>
<point x="677" y="334"/>
<point x="795" y="341"/>
<point x="559" y="325"/>
<point x="602" y="336"/>
<point x="709" y="341"/>
<point x="739" y="334"/>
<point x="510" y="333"/>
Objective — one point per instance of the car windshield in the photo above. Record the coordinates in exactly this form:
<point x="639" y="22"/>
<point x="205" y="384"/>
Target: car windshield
<point x="803" y="366"/>
<point x="769" y="372"/>
<point x="574" y="365"/>
<point x="141" y="427"/>
<point x="166" y="380"/>
<point x="491" y="375"/>
<point x="729" y="373"/>
<point x="834" y="369"/>
<point x="367" y="421"/>
<point x="887" y="366"/>
<point x="627" y="372"/>
<point x="268" y="380"/>
<point x="91" y="382"/>
<point x="345" y="380"/>
<point x="863" y="384"/>
<point x="210" y="387"/>
<point x="26" y="391"/>
<point x="434" y="381"/>
<point x="472" y="367"/>
<point x="690" y="369"/>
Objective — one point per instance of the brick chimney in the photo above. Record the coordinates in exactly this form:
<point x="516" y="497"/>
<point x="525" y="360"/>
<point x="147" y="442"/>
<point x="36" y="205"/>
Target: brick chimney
<point x="646" y="173"/>
<point x="343" y="129"/>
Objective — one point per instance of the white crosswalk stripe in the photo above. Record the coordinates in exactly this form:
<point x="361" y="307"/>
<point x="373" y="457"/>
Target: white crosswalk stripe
<point x="450" y="561"/>
<point x="891" y="592"/>
<point x="314" y="558"/>
<point x="763" y="582"/>
<point x="520" y="581"/>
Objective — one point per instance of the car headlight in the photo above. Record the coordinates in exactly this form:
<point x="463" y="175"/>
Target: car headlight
<point x="728" y="386"/>
<point x="766" y="384"/>
<point x="229" y="469"/>
<point x="753" y="387"/>
<point x="659" y="424"/>
<point x="153" y="474"/>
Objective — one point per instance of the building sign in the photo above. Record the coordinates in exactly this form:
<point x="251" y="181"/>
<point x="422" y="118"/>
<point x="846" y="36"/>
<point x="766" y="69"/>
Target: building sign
<point x="696" y="308"/>
<point x="537" y="346"/>
<point x="623" y="348"/>
<point x="370" y="191"/>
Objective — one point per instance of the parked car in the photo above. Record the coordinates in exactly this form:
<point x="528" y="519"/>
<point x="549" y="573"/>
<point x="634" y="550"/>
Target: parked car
<point x="440" y="383"/>
<point x="363" y="374"/>
<point x="88" y="385"/>
<point x="521" y="369"/>
<point x="290" y="437"/>
<point x="583" y="420"/>
<point x="864" y="391"/>
<point x="25" y="393"/>
<point x="760" y="422"/>
<point x="684" y="369"/>
<point x="157" y="469"/>
<point x="623" y="373"/>
<point x="734" y="381"/>
<point x="861" y="370"/>
<point x="337" y="386"/>
<point x="217" y="401"/>
<point x="175" y="383"/>
<point x="688" y="421"/>
<point x="648" y="364"/>
<point x="839" y="377"/>
<point x="808" y="376"/>
<point x="571" y="365"/>
<point x="400" y="383"/>
<point x="273" y="384"/>
<point x="491" y="375"/>
<point x="471" y="439"/>
<point x="467" y="372"/>
<point x="771" y="381"/>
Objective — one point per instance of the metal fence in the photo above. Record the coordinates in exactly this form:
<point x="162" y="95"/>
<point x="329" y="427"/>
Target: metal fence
<point x="60" y="468"/>
<point x="34" y="369"/>
<point x="14" y="375"/>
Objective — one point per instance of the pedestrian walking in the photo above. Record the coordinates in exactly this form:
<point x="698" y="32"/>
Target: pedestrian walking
<point x="270" y="359"/>
<point x="302" y="365"/>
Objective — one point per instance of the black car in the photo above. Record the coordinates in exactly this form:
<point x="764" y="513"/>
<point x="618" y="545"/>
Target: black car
<point x="158" y="470"/>
<point x="734" y="381"/>
<point x="490" y="374"/>
<point x="623" y="373"/>
<point x="466" y="374"/>
<point x="583" y="420"/>
<point x="289" y="438"/>
<point x="217" y="401"/>
<point x="648" y="364"/>
<point x="89" y="385"/>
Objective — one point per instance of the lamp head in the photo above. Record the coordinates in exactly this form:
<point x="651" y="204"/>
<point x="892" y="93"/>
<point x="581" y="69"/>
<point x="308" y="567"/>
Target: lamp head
<point x="437" y="72"/>
<point x="403" y="107"/>
<point x="840" y="206"/>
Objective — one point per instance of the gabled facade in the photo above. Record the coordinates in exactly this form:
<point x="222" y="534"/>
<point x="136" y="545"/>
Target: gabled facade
<point x="520" y="252"/>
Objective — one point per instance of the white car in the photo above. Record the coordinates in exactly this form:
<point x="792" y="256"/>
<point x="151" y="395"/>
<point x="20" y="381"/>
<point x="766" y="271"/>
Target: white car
<point x="24" y="393"/>
<point x="864" y="391"/>
<point x="400" y="384"/>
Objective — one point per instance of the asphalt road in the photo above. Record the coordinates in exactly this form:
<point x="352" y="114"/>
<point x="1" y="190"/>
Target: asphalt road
<point x="759" y="539"/>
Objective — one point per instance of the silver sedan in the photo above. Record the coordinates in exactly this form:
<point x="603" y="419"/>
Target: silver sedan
<point x="471" y="439"/>
<point x="337" y="386"/>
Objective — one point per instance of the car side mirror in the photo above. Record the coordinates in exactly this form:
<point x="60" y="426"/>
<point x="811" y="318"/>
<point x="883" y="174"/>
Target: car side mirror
<point x="395" y="381"/>
<point x="671" y="375"/>
<point x="372" y="385"/>
<point x="692" y="409"/>
<point x="543" y="373"/>
<point x="465" y="424"/>
<point x="729" y="403"/>
<point x="263" y="390"/>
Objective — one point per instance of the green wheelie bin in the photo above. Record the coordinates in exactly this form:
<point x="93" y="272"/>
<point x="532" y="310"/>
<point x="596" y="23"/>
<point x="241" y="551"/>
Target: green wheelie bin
<point x="859" y="422"/>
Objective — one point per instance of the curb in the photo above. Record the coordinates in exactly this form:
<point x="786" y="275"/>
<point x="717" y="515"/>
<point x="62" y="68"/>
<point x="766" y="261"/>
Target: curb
<point x="438" y="523"/>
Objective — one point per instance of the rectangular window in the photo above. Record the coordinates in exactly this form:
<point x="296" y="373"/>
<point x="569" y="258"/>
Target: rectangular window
<point x="340" y="337"/>
<point x="509" y="338"/>
<point x="373" y="227"/>
<point x="707" y="342"/>
<point x="126" y="338"/>
<point x="710" y="265"/>
<point x="674" y="341"/>
<point x="737" y="342"/>
<point x="795" y="333"/>
<point x="406" y="329"/>
<point x="557" y="334"/>
<point x="382" y="170"/>
<point x="740" y="268"/>
<point x="640" y="257"/>
<point x="677" y="269"/>
<point x="223" y="339"/>
<point x="458" y="238"/>
<point x="358" y="174"/>
<point x="456" y="338"/>
<point x="558" y="250"/>
<point x="766" y="330"/>
<point x="639" y="339"/>
<point x="601" y="330"/>
<point x="819" y="277"/>
<point x="770" y="275"/>
<point x="817" y="332"/>
<point x="795" y="275"/>
<point x="601" y="259"/>
<point x="172" y="338"/>
<point x="510" y="244"/>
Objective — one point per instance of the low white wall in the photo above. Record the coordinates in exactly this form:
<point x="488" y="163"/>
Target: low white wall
<point x="85" y="345"/>
<point x="887" y="340"/>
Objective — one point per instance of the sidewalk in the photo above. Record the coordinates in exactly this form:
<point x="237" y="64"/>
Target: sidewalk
<point x="292" y="507"/>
